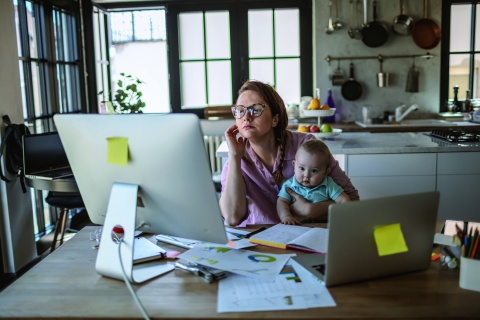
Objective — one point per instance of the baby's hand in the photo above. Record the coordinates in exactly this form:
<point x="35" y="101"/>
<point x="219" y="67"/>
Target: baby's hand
<point x="290" y="221"/>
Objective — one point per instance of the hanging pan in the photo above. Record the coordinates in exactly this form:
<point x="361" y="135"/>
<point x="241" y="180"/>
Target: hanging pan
<point x="426" y="33"/>
<point x="403" y="23"/>
<point x="375" y="33"/>
<point x="351" y="89"/>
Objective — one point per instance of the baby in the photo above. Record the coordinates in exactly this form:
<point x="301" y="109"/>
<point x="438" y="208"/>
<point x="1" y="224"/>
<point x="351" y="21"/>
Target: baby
<point x="310" y="180"/>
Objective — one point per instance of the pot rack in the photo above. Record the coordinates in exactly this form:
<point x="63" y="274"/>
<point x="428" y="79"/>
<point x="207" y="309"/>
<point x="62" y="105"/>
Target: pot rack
<point x="381" y="57"/>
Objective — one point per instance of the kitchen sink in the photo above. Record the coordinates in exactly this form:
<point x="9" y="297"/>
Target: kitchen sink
<point x="409" y="122"/>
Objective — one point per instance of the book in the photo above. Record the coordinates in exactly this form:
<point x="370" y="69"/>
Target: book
<point x="145" y="250"/>
<point x="293" y="237"/>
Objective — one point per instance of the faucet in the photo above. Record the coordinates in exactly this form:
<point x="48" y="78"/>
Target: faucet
<point x="398" y="112"/>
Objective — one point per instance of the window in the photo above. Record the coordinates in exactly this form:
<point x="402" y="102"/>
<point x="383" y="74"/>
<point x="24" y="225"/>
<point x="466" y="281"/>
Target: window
<point x="50" y="74"/>
<point x="460" y="50"/>
<point x="139" y="48"/>
<point x="215" y="47"/>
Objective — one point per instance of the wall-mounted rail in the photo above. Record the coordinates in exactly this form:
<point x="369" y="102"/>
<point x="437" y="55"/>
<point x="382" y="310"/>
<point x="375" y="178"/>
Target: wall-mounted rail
<point x="381" y="57"/>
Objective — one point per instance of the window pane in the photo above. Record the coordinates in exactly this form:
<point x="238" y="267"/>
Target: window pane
<point x="122" y="26"/>
<point x="476" y="78"/>
<point x="32" y="34"/>
<point x="219" y="83"/>
<point x="262" y="70"/>
<point x="193" y="84"/>
<point x="37" y="99"/>
<point x="288" y="79"/>
<point x="23" y="87"/>
<point x="260" y="33"/>
<point x="477" y="29"/>
<point x="460" y="28"/>
<point x="217" y="25"/>
<point x="191" y="36"/>
<point x="287" y="32"/>
<point x="459" y="71"/>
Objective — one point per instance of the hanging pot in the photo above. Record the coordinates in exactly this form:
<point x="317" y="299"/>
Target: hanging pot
<point x="382" y="77"/>
<point x="402" y="24"/>
<point x="338" y="77"/>
<point x="351" y="89"/>
<point x="375" y="33"/>
<point x="412" y="78"/>
<point x="426" y="33"/>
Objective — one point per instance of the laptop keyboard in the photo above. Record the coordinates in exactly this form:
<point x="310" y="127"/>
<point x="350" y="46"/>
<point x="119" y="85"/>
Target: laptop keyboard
<point x="58" y="173"/>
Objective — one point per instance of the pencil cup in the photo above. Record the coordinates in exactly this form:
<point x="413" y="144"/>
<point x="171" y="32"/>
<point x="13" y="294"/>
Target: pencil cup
<point x="470" y="274"/>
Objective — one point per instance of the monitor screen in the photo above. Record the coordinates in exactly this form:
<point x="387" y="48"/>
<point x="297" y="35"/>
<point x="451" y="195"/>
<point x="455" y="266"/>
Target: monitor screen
<point x="164" y="155"/>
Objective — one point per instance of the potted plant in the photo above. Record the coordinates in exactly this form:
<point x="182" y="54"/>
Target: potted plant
<point x="128" y="99"/>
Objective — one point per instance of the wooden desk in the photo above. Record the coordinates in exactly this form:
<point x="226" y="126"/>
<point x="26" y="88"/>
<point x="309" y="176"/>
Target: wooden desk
<point x="66" y="285"/>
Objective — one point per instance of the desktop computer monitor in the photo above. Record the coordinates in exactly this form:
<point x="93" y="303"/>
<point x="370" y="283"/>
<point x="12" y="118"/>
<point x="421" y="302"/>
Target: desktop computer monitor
<point x="142" y="170"/>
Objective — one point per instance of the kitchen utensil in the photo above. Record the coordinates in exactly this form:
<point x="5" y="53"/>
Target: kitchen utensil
<point x="426" y="33"/>
<point x="351" y="89"/>
<point x="375" y="33"/>
<point x="337" y="24"/>
<point x="358" y="29"/>
<point x="402" y="24"/>
<point x="382" y="77"/>
<point x="351" y="30"/>
<point x="412" y="78"/>
<point x="330" y="28"/>
<point x="338" y="77"/>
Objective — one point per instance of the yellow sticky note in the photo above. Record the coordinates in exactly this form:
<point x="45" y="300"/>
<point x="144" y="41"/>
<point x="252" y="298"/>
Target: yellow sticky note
<point x="389" y="239"/>
<point x="117" y="151"/>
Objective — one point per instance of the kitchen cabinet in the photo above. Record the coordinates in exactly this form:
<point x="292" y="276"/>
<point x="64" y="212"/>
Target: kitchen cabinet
<point x="381" y="175"/>
<point x="458" y="181"/>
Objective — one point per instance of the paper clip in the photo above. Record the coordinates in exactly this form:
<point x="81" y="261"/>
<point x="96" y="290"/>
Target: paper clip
<point x="207" y="274"/>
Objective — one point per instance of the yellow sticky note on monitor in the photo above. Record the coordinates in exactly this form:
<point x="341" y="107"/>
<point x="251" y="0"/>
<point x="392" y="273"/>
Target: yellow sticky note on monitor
<point x="117" y="151"/>
<point x="389" y="239"/>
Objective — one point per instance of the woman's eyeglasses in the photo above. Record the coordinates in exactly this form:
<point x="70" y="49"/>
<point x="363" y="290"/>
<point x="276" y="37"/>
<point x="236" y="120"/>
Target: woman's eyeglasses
<point x="255" y="110"/>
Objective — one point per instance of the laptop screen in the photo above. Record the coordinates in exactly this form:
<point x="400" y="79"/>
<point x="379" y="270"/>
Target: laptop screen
<point x="43" y="152"/>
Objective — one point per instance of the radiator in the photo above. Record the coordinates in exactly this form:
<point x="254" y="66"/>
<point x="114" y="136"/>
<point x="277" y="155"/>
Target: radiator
<point x="211" y="145"/>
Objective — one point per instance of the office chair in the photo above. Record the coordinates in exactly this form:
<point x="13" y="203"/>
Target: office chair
<point x="66" y="201"/>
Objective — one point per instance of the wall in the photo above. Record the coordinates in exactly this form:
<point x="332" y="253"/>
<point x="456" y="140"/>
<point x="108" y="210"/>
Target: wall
<point x="380" y="99"/>
<point x="16" y="222"/>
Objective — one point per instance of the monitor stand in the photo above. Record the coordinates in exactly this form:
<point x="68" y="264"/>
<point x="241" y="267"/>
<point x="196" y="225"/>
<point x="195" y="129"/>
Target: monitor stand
<point x="121" y="212"/>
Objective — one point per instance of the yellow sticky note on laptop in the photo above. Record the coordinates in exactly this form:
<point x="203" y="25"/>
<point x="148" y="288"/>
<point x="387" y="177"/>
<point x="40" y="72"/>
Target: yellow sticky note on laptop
<point x="117" y="151"/>
<point x="389" y="239"/>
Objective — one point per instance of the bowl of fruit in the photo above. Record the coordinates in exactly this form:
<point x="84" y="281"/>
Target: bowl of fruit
<point x="316" y="109"/>
<point x="324" y="131"/>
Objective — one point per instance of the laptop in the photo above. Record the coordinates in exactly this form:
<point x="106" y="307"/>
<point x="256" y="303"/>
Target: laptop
<point x="352" y="253"/>
<point x="44" y="157"/>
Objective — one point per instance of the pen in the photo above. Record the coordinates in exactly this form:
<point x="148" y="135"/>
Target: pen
<point x="474" y="245"/>
<point x="248" y="235"/>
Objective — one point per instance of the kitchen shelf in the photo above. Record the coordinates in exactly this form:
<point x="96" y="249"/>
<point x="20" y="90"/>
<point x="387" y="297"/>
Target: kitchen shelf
<point x="381" y="57"/>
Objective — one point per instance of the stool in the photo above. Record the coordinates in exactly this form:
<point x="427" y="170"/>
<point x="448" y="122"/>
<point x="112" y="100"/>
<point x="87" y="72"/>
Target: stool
<point x="66" y="201"/>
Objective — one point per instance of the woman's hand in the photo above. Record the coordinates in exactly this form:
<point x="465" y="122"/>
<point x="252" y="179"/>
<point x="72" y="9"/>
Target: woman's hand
<point x="300" y="207"/>
<point x="236" y="146"/>
<point x="306" y="211"/>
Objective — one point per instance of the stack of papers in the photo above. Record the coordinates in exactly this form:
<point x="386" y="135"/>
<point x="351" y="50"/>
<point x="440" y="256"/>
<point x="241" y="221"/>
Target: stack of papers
<point x="259" y="281"/>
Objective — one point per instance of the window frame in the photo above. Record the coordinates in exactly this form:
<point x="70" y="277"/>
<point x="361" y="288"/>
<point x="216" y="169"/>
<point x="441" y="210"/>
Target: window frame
<point x="239" y="43"/>
<point x="445" y="50"/>
<point x="53" y="94"/>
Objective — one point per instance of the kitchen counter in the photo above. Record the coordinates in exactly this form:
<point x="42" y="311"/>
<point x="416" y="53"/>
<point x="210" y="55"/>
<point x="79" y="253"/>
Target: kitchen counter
<point x="399" y="142"/>
<point x="353" y="127"/>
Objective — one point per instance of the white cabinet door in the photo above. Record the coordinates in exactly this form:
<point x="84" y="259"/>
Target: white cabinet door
<point x="381" y="175"/>
<point x="458" y="181"/>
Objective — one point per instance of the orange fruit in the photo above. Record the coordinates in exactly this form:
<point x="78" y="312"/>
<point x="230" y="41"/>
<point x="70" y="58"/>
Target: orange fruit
<point x="324" y="107"/>
<point x="303" y="129"/>
<point x="314" y="104"/>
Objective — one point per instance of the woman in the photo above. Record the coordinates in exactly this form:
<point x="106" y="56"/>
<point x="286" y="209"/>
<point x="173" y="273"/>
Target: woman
<point x="260" y="154"/>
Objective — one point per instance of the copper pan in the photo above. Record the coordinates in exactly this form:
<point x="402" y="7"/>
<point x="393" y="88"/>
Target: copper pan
<point x="426" y="33"/>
